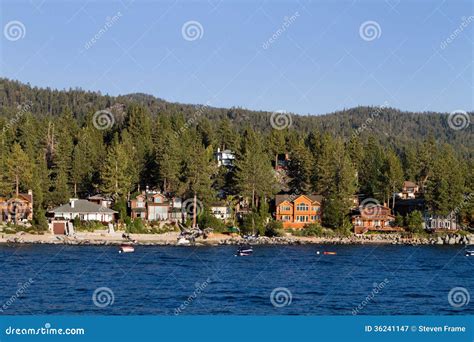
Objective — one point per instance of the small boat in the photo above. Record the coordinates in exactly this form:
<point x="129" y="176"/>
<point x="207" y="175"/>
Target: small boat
<point x="329" y="253"/>
<point x="183" y="241"/>
<point x="470" y="250"/>
<point x="126" y="249"/>
<point x="244" y="251"/>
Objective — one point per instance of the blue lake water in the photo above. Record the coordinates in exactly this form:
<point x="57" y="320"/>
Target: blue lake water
<point x="377" y="280"/>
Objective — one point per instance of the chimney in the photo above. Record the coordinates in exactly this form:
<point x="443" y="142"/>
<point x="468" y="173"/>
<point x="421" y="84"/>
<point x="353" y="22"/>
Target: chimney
<point x="72" y="202"/>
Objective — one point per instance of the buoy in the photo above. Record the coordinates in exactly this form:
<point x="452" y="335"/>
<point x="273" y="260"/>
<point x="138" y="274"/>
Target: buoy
<point x="330" y="253"/>
<point x="317" y="252"/>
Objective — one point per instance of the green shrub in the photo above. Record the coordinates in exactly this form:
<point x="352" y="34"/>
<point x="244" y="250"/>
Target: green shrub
<point x="414" y="222"/>
<point x="87" y="226"/>
<point x="207" y="220"/>
<point x="274" y="228"/>
<point x="136" y="227"/>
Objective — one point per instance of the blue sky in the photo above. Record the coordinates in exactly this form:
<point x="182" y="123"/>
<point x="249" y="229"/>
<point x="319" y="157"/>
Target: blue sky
<point x="319" y="61"/>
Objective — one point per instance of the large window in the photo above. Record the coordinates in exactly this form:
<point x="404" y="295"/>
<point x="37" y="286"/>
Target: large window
<point x="302" y="218"/>
<point x="302" y="207"/>
<point x="286" y="208"/>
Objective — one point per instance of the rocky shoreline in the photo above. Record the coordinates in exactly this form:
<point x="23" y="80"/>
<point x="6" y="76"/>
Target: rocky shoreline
<point x="171" y="239"/>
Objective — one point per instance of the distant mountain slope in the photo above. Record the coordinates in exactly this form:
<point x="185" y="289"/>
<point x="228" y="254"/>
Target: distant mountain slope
<point x="387" y="124"/>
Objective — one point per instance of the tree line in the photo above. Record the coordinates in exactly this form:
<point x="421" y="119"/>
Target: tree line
<point x="51" y="143"/>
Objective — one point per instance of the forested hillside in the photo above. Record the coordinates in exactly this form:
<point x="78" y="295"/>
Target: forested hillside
<point x="59" y="144"/>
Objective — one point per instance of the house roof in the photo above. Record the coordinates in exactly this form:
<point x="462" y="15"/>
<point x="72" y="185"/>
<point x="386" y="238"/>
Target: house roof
<point x="289" y="197"/>
<point x="409" y="184"/>
<point x="82" y="206"/>
<point x="99" y="197"/>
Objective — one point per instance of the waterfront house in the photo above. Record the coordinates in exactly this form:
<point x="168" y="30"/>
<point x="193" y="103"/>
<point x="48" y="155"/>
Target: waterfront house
<point x="374" y="218"/>
<point x="440" y="222"/>
<point x="409" y="190"/>
<point x="158" y="207"/>
<point x="297" y="211"/>
<point x="138" y="207"/>
<point x="84" y="210"/>
<point x="221" y="211"/>
<point x="17" y="209"/>
<point x="224" y="158"/>
<point x="155" y="206"/>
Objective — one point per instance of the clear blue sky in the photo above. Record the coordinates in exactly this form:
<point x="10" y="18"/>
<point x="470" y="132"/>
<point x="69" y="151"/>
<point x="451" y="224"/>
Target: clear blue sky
<point x="318" y="63"/>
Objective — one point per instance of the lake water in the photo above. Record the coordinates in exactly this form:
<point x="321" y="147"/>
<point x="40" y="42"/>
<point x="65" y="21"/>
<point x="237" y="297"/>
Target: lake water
<point x="366" y="280"/>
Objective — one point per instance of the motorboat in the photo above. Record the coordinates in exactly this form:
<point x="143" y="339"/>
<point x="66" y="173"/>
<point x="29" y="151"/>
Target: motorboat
<point x="470" y="250"/>
<point x="126" y="248"/>
<point x="183" y="241"/>
<point x="245" y="250"/>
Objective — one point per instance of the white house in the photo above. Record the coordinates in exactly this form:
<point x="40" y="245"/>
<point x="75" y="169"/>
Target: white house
<point x="84" y="210"/>
<point x="440" y="222"/>
<point x="221" y="212"/>
<point x="225" y="157"/>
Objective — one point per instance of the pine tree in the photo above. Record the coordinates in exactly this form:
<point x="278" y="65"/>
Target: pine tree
<point x="299" y="169"/>
<point x="254" y="176"/>
<point x="116" y="171"/>
<point x="196" y="173"/>
<point x="19" y="170"/>
<point x="393" y="175"/>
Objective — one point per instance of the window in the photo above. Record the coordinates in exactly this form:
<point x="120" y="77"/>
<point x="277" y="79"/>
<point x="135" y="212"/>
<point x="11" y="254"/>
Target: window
<point x="302" y="207"/>
<point x="301" y="218"/>
<point x="286" y="218"/>
<point x="286" y="208"/>
<point x="140" y="204"/>
<point x="313" y="217"/>
<point x="158" y="200"/>
<point x="314" y="208"/>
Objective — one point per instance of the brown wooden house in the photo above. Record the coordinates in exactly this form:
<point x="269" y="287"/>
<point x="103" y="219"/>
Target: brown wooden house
<point x="374" y="218"/>
<point x="298" y="211"/>
<point x="17" y="209"/>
